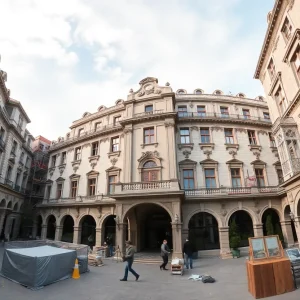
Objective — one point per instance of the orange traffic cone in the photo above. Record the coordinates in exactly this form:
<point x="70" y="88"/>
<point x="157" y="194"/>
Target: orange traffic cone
<point x="76" y="274"/>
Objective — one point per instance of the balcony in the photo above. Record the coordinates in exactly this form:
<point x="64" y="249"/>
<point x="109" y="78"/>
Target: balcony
<point x="230" y="191"/>
<point x="96" y="199"/>
<point x="87" y="134"/>
<point x="291" y="167"/>
<point x="223" y="116"/>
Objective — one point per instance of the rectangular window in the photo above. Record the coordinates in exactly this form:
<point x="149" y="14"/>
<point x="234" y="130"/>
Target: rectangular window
<point x="281" y="101"/>
<point x="149" y="175"/>
<point x="80" y="132"/>
<point x="95" y="147"/>
<point x="97" y="126"/>
<point x="149" y="108"/>
<point x="48" y="191"/>
<point x="59" y="190"/>
<point x="18" y="179"/>
<point x="117" y="120"/>
<point x="229" y="136"/>
<point x="77" y="153"/>
<point x="210" y="179"/>
<point x="188" y="179"/>
<point x="149" y="135"/>
<point x="8" y="175"/>
<point x="27" y="162"/>
<point x="63" y="158"/>
<point x="246" y="113"/>
<point x="201" y="111"/>
<point x="14" y="148"/>
<point x="272" y="140"/>
<point x="280" y="175"/>
<point x="296" y="62"/>
<point x="112" y="180"/>
<point x="271" y="69"/>
<point x="92" y="186"/>
<point x="2" y="134"/>
<point x="252" y="137"/>
<point x="74" y="185"/>
<point x="287" y="29"/>
<point x="204" y="135"/>
<point x="224" y="112"/>
<point x="184" y="136"/>
<point x="236" y="178"/>
<point x="22" y="158"/>
<point x="260" y="177"/>
<point x="182" y="111"/>
<point x="266" y="115"/>
<point x="115" y="144"/>
<point x="53" y="161"/>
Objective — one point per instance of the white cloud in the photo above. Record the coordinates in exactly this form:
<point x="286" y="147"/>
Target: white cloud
<point x="67" y="57"/>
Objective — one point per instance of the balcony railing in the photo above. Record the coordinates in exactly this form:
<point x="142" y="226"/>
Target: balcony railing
<point x="148" y="113"/>
<point x="79" y="199"/>
<point x="210" y="115"/>
<point x="154" y="185"/>
<point x="231" y="191"/>
<point x="85" y="135"/>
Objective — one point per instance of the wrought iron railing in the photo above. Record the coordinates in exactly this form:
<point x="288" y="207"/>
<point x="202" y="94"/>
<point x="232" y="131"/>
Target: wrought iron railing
<point x="152" y="185"/>
<point x="209" y="115"/>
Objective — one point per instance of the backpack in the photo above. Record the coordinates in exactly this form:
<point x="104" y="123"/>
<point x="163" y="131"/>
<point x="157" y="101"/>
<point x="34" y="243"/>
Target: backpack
<point x="208" y="279"/>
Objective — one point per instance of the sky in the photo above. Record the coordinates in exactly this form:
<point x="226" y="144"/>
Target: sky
<point x="67" y="57"/>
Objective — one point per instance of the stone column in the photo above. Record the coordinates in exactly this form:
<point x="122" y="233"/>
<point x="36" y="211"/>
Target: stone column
<point x="287" y="232"/>
<point x="58" y="233"/>
<point x="16" y="229"/>
<point x="44" y="232"/>
<point x="127" y="174"/>
<point x="77" y="235"/>
<point x="98" y="237"/>
<point x="171" y="158"/>
<point x="297" y="227"/>
<point x="34" y="229"/>
<point x="2" y="217"/>
<point x="224" y="242"/>
<point x="258" y="230"/>
<point x="177" y="240"/>
<point x="120" y="237"/>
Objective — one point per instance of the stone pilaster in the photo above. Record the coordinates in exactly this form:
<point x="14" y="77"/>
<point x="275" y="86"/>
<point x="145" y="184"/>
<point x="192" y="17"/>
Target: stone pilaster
<point x="34" y="229"/>
<point x="98" y="237"/>
<point x="224" y="242"/>
<point x="58" y="233"/>
<point x="77" y="235"/>
<point x="44" y="232"/>
<point x="258" y="230"/>
<point x="297" y="227"/>
<point x="287" y="232"/>
<point x="16" y="228"/>
<point x="177" y="240"/>
<point x="120" y="236"/>
<point x="127" y="177"/>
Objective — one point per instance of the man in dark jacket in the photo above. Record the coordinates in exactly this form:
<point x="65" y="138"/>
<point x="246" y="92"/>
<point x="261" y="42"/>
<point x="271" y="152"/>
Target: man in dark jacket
<point x="188" y="254"/>
<point x="129" y="256"/>
<point x="165" y="251"/>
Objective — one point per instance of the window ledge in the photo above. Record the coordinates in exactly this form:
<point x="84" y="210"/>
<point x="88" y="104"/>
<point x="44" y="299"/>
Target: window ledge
<point x="116" y="153"/>
<point x="94" y="157"/>
<point x="232" y="146"/>
<point x="62" y="166"/>
<point x="51" y="169"/>
<point x="254" y="147"/>
<point x="190" y="145"/>
<point x="273" y="149"/>
<point x="206" y="145"/>
<point x="150" y="144"/>
<point x="76" y="162"/>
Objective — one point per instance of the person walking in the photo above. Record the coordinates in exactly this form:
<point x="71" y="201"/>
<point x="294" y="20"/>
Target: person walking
<point x="129" y="257"/>
<point x="188" y="254"/>
<point x="165" y="251"/>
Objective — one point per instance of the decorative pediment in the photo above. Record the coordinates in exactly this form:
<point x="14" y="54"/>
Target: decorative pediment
<point x="149" y="155"/>
<point x="187" y="162"/>
<point x="92" y="173"/>
<point x="258" y="162"/>
<point x="234" y="161"/>
<point x="60" y="179"/>
<point x="277" y="164"/>
<point x="49" y="181"/>
<point x="113" y="169"/>
<point x="208" y="161"/>
<point x="74" y="176"/>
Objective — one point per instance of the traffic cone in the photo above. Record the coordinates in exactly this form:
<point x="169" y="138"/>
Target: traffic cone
<point x="76" y="274"/>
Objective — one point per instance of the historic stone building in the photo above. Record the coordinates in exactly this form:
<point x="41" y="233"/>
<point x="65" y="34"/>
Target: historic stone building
<point x="165" y="165"/>
<point x="15" y="161"/>
<point x="278" y="69"/>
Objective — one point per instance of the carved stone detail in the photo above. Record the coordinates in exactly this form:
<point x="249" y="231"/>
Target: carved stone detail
<point x="207" y="153"/>
<point x="186" y="153"/>
<point x="233" y="153"/>
<point x="242" y="130"/>
<point x="169" y="124"/>
<point x="195" y="128"/>
<point x="216" y="128"/>
<point x="113" y="161"/>
<point x="127" y="130"/>
<point x="153" y="154"/>
<point x="262" y="132"/>
<point x="106" y="139"/>
<point x="223" y="210"/>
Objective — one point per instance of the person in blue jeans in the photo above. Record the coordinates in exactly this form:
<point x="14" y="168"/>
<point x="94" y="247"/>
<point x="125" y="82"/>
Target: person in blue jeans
<point x="188" y="254"/>
<point x="129" y="257"/>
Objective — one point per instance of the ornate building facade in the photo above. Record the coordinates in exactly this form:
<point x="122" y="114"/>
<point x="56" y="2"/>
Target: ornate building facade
<point x="15" y="161"/>
<point x="165" y="165"/>
<point x="278" y="69"/>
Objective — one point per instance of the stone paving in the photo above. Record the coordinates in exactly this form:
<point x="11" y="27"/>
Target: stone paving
<point x="103" y="283"/>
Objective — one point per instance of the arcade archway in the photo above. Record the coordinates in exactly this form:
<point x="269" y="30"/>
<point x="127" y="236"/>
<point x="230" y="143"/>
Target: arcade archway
<point x="51" y="226"/>
<point x="271" y="223"/>
<point x="68" y="229"/>
<point x="88" y="230"/>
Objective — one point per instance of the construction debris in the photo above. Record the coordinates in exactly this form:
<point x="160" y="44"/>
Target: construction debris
<point x="95" y="260"/>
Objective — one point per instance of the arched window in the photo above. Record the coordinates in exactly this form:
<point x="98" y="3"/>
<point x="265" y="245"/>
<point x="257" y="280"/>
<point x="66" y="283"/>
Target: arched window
<point x="150" y="171"/>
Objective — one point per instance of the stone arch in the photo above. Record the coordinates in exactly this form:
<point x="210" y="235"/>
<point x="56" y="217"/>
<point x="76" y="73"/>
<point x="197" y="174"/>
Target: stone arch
<point x="275" y="218"/>
<point x="209" y="211"/>
<point x="198" y="91"/>
<point x="297" y="204"/>
<point x="51" y="227"/>
<point x="149" y="156"/>
<point x="249" y="211"/>
<point x="286" y="212"/>
<point x="181" y="91"/>
<point x="124" y="215"/>
<point x="67" y="229"/>
<point x="9" y="205"/>
<point x="103" y="219"/>
<point x="21" y="207"/>
<point x="87" y="228"/>
<point x="16" y="207"/>
<point x="62" y="217"/>
<point x="82" y="216"/>
<point x="3" y="203"/>
<point x="280" y="214"/>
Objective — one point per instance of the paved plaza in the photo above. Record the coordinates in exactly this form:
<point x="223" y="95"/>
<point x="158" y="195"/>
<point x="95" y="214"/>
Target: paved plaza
<point x="103" y="283"/>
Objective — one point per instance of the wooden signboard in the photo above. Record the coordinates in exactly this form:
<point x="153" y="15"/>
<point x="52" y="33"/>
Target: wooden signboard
<point x="268" y="271"/>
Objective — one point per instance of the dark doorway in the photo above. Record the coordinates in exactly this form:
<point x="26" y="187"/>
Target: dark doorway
<point x="271" y="223"/>
<point x="68" y="229"/>
<point x="51" y="226"/>
<point x="287" y="217"/>
<point x="110" y="230"/>
<point x="204" y="231"/>
<point x="39" y="223"/>
<point x="88" y="231"/>
<point x="2" y="233"/>
<point x="245" y="226"/>
<point x="12" y="228"/>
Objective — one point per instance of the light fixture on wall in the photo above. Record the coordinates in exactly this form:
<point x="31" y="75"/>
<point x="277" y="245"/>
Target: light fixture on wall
<point x="117" y="220"/>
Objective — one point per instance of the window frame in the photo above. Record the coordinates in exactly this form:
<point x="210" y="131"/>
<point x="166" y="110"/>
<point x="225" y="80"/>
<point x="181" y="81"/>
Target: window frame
<point x="201" y="113"/>
<point x="229" y="137"/>
<point x="93" y="152"/>
<point x="182" y="113"/>
<point x="53" y="161"/>
<point x="235" y="177"/>
<point x="262" y="175"/>
<point x="287" y="34"/>
<point x="72" y="188"/>
<point x="271" y="69"/>
<point x="147" y="106"/>
<point x="246" y="113"/>
<point x="224" y="111"/>
<point x="151" y="172"/>
<point x="149" y="132"/>
<point x="63" y="158"/>
<point x="77" y="153"/>
<point x="112" y="185"/>
<point x="92" y="186"/>
<point x="252" y="138"/>
<point x="210" y="178"/>
<point x="112" y="144"/>
<point x="203" y="137"/>
<point x="116" y="120"/>
<point x="59" y="192"/>
<point x="188" y="178"/>
<point x="184" y="137"/>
